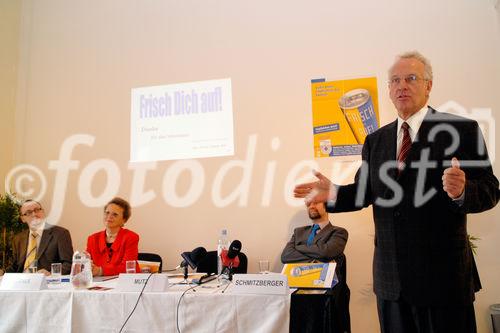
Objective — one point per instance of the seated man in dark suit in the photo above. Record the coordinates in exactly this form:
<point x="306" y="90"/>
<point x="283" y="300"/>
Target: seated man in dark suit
<point x="323" y="242"/>
<point x="40" y="245"/>
<point x="320" y="241"/>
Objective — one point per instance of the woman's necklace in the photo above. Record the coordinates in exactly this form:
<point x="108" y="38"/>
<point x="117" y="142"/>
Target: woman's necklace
<point x="110" y="237"/>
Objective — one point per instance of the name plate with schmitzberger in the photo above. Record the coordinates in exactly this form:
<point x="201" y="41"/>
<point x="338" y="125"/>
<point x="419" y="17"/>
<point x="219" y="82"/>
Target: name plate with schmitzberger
<point x="267" y="284"/>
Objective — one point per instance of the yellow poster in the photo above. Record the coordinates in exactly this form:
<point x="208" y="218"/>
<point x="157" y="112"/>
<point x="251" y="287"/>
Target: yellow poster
<point x="344" y="113"/>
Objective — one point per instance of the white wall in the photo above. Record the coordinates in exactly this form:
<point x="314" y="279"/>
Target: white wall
<point x="79" y="60"/>
<point x="10" y="13"/>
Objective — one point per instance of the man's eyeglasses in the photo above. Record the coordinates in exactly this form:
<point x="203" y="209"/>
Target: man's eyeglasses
<point x="409" y="79"/>
<point x="30" y="212"/>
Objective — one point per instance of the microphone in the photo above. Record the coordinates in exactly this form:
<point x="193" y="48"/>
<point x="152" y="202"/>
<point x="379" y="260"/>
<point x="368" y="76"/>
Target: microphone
<point x="230" y="257"/>
<point x="193" y="258"/>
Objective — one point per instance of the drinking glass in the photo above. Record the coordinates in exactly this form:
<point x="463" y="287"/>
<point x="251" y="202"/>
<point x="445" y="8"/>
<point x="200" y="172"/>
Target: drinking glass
<point x="130" y="266"/>
<point x="33" y="268"/>
<point x="263" y="266"/>
<point x="55" y="272"/>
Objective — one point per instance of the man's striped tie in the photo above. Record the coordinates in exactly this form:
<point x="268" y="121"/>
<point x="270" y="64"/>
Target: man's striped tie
<point x="31" y="255"/>
<point x="405" y="147"/>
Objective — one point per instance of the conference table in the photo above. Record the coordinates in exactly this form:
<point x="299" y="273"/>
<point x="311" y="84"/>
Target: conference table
<point x="205" y="308"/>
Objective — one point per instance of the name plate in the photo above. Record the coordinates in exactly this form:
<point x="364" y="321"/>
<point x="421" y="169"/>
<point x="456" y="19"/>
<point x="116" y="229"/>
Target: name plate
<point x="266" y="284"/>
<point x="23" y="281"/>
<point x="135" y="282"/>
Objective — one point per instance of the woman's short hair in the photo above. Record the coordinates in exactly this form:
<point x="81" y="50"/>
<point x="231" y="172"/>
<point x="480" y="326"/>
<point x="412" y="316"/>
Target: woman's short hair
<point x="127" y="210"/>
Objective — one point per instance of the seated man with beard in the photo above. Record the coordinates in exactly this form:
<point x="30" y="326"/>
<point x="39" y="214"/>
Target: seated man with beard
<point x="320" y="241"/>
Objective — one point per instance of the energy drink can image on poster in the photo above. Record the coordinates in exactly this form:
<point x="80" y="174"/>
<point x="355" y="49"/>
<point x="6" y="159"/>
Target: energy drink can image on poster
<point x="358" y="110"/>
<point x="344" y="113"/>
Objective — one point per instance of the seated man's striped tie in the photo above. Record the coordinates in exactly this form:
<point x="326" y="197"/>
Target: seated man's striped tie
<point x="31" y="254"/>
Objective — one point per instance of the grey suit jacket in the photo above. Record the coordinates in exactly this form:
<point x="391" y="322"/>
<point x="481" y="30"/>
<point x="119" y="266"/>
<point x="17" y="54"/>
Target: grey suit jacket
<point x="328" y="244"/>
<point x="422" y="252"/>
<point x="55" y="246"/>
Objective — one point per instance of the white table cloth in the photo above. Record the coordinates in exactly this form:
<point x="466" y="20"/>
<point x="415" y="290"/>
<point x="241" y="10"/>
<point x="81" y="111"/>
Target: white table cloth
<point x="202" y="310"/>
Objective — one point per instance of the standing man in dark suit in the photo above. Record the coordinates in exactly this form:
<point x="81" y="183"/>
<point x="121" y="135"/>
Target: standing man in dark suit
<point x="422" y="174"/>
<point x="40" y="245"/>
<point x="320" y="241"/>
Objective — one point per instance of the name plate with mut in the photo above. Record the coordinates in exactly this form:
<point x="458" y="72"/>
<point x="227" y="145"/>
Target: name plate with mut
<point x="135" y="282"/>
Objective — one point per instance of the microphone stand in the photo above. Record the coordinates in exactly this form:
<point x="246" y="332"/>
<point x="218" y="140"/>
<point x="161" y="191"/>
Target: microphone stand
<point x="185" y="281"/>
<point x="227" y="273"/>
<point x="185" y="275"/>
<point x="230" y="272"/>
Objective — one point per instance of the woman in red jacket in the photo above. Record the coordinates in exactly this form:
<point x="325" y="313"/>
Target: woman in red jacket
<point x="111" y="248"/>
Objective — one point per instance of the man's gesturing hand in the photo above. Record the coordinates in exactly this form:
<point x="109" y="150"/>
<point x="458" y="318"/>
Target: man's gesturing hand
<point x="454" y="179"/>
<point x="321" y="190"/>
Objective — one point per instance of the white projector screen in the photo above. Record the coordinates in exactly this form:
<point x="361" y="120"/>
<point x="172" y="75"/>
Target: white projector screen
<point x="181" y="121"/>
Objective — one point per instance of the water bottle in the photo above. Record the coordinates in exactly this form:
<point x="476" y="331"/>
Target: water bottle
<point x="81" y="270"/>
<point x="222" y="244"/>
